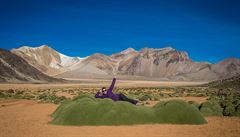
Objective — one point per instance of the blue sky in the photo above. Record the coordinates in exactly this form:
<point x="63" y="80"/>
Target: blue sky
<point x="209" y="30"/>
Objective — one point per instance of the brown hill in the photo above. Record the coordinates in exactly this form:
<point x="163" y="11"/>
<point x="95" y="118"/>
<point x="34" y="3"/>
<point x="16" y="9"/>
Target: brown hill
<point x="46" y="59"/>
<point x="15" y="69"/>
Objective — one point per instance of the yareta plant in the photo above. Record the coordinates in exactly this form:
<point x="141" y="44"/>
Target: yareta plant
<point x="86" y="110"/>
<point x="211" y="108"/>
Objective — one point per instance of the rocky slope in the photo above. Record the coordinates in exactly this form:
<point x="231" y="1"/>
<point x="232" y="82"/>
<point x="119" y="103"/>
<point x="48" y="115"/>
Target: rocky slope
<point x="46" y="59"/>
<point x="15" y="69"/>
<point x="90" y="67"/>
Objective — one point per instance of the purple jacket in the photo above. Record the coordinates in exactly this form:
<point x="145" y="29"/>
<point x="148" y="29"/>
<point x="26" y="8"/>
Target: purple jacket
<point x="110" y="94"/>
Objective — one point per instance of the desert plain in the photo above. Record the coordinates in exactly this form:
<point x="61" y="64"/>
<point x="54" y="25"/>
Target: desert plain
<point x="30" y="118"/>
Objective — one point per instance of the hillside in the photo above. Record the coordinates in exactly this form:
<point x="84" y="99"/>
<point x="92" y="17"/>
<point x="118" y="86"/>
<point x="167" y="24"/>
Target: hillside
<point x="46" y="59"/>
<point x="233" y="82"/>
<point x="14" y="69"/>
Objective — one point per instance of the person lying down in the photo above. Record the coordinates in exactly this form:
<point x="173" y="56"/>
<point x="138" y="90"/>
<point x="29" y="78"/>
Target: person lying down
<point x="108" y="93"/>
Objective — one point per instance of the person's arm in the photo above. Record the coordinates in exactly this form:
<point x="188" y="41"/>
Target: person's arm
<point x="97" y="95"/>
<point x="110" y="89"/>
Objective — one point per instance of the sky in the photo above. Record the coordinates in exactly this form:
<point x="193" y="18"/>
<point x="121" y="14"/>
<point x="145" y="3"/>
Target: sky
<point x="209" y="30"/>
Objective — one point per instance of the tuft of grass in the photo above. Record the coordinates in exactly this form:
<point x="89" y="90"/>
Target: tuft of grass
<point x="145" y="97"/>
<point x="2" y="95"/>
<point x="86" y="110"/>
<point x="51" y="98"/>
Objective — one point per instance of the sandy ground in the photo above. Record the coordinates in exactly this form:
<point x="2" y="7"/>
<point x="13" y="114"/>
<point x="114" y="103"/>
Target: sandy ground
<point x="99" y="83"/>
<point x="23" y="118"/>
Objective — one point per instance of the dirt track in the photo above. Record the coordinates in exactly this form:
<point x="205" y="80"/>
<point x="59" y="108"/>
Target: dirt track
<point x="23" y="118"/>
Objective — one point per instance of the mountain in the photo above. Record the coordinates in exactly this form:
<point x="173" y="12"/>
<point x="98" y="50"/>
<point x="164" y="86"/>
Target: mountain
<point x="100" y="65"/>
<point x="15" y="69"/>
<point x="96" y="64"/>
<point x="158" y="62"/>
<point x="228" y="67"/>
<point x="46" y="59"/>
<point x="163" y="63"/>
<point x="211" y="72"/>
<point x="123" y="60"/>
<point x="166" y="63"/>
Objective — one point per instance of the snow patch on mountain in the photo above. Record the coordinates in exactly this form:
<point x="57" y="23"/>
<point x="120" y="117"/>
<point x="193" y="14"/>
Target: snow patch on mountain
<point x="67" y="61"/>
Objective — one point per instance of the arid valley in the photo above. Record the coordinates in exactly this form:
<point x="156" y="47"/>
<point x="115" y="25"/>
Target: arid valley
<point x="31" y="117"/>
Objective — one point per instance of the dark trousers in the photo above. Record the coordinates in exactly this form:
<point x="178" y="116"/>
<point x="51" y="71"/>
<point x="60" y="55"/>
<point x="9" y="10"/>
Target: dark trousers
<point x="122" y="97"/>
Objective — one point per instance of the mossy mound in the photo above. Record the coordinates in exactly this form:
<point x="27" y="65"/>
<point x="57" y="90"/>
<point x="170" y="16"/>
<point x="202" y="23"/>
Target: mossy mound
<point x="177" y="112"/>
<point x="211" y="108"/>
<point x="86" y="110"/>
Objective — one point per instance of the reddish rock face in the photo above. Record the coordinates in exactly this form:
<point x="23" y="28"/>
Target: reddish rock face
<point x="177" y="56"/>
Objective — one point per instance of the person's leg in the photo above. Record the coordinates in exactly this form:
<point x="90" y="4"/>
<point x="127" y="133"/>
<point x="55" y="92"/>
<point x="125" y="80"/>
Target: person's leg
<point x="124" y="98"/>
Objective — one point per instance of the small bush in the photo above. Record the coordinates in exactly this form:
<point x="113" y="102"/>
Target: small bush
<point x="210" y="108"/>
<point x="2" y="95"/>
<point x="229" y="110"/>
<point x="145" y="97"/>
<point x="51" y="98"/>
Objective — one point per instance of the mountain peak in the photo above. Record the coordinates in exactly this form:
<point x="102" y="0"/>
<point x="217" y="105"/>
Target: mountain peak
<point x="166" y="48"/>
<point x="43" y="46"/>
<point x="128" y="50"/>
<point x="229" y="60"/>
<point x="98" y="55"/>
<point x="24" y="48"/>
<point x="29" y="48"/>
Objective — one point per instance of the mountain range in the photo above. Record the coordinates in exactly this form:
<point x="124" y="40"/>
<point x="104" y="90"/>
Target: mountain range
<point x="159" y="64"/>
